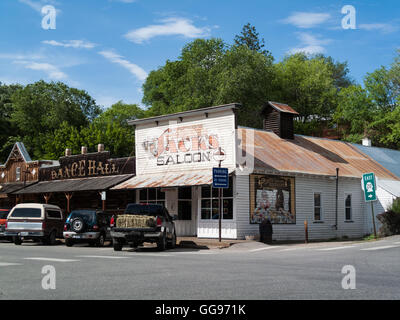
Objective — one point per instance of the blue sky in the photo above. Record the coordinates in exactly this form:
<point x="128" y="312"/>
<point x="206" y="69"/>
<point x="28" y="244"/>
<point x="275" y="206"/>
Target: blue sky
<point x="108" y="47"/>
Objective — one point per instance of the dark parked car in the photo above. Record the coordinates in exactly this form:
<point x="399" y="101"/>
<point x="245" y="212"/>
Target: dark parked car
<point x="87" y="225"/>
<point x="3" y="219"/>
<point x="143" y="223"/>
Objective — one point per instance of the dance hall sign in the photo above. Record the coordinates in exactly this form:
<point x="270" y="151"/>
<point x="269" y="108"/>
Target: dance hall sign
<point x="183" y="145"/>
<point x="82" y="166"/>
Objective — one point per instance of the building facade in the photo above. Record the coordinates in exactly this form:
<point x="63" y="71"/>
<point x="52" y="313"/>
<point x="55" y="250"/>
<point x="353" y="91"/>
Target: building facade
<point x="274" y="174"/>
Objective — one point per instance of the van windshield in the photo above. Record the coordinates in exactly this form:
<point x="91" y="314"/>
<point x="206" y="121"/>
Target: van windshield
<point x="26" y="213"/>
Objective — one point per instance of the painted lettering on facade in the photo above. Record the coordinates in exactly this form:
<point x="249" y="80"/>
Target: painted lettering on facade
<point x="84" y="168"/>
<point x="181" y="145"/>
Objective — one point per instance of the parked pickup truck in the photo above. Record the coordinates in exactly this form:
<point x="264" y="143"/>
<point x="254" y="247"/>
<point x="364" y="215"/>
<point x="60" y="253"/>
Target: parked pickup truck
<point x="143" y="223"/>
<point x="35" y="221"/>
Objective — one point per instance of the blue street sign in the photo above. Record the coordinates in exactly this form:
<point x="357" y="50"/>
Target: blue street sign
<point x="220" y="178"/>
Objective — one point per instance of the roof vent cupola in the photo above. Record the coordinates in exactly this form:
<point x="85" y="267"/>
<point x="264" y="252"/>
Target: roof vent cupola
<point x="278" y="118"/>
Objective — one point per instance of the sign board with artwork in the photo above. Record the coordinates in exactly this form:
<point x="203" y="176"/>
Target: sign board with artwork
<point x="189" y="144"/>
<point x="273" y="198"/>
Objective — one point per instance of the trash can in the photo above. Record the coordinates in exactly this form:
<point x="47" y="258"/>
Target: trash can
<point x="266" y="231"/>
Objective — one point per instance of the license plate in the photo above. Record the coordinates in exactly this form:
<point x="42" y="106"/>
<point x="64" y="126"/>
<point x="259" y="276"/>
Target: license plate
<point x="24" y="234"/>
<point x="77" y="236"/>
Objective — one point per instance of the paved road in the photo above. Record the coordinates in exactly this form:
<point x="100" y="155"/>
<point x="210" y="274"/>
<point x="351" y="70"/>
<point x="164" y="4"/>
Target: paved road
<point x="244" y="271"/>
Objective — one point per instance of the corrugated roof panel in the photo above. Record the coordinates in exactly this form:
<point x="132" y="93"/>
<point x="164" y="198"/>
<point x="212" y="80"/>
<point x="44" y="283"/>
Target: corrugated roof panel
<point x="283" y="107"/>
<point x="169" y="179"/>
<point x="311" y="156"/>
<point x="388" y="158"/>
<point x="70" y="185"/>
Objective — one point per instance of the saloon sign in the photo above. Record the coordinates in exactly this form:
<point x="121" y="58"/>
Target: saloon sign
<point x="182" y="145"/>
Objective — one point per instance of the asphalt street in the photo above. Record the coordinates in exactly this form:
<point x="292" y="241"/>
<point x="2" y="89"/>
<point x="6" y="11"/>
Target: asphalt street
<point x="244" y="271"/>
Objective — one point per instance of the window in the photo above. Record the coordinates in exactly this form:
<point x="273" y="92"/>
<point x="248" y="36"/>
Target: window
<point x="152" y="195"/>
<point x="317" y="207"/>
<point x="18" y="174"/>
<point x="27" y="213"/>
<point x="185" y="203"/>
<point x="347" y="204"/>
<point x="272" y="198"/>
<point x="209" y="202"/>
<point x="54" y="214"/>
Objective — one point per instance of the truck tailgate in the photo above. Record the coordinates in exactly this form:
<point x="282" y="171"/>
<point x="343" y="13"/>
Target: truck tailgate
<point x="22" y="225"/>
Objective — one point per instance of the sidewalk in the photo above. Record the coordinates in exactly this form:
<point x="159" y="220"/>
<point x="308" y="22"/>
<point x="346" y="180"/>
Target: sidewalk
<point x="199" y="243"/>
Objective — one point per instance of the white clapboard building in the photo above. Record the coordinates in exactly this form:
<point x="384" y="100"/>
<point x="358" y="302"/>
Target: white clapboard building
<point x="274" y="174"/>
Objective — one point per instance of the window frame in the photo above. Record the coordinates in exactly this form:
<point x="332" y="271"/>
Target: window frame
<point x="186" y="200"/>
<point x="351" y="207"/>
<point x="321" y="211"/>
<point x="18" y="174"/>
<point x="211" y="198"/>
<point x="156" y="201"/>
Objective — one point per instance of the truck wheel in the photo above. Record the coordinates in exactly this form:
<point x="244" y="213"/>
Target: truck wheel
<point x="69" y="242"/>
<point x="172" y="244"/>
<point x="117" y="245"/>
<point x="100" y="241"/>
<point x="17" y="241"/>
<point x="52" y="238"/>
<point x="162" y="243"/>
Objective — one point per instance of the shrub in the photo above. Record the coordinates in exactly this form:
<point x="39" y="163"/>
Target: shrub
<point x="390" y="219"/>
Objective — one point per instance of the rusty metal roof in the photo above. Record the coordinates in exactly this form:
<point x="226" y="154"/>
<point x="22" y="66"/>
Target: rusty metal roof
<point x="310" y="155"/>
<point x="168" y="179"/>
<point x="283" y="107"/>
<point x="70" y="185"/>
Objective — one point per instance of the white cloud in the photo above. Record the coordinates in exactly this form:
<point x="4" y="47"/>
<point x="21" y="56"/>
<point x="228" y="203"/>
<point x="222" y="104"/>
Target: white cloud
<point x="70" y="44"/>
<point x="52" y="71"/>
<point x="306" y="20"/>
<point x="170" y="26"/>
<point x="310" y="44"/>
<point x="383" y="27"/>
<point x="131" y="67"/>
<point x="38" y="5"/>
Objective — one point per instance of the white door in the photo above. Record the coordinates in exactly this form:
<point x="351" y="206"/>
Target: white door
<point x="183" y="205"/>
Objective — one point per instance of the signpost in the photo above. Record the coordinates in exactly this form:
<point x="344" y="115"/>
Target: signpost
<point x="369" y="187"/>
<point x="220" y="181"/>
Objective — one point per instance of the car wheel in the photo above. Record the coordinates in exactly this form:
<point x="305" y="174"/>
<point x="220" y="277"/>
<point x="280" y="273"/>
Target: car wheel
<point x="69" y="242"/>
<point x="100" y="240"/>
<point x="162" y="243"/>
<point x="52" y="238"/>
<point x="173" y="241"/>
<point x="17" y="241"/>
<point x="77" y="225"/>
<point x="117" y="245"/>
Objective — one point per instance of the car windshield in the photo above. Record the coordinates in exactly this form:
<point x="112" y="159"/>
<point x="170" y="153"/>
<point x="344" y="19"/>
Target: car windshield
<point x="4" y="214"/>
<point x="144" y="209"/>
<point x="86" y="215"/>
<point x="26" y="213"/>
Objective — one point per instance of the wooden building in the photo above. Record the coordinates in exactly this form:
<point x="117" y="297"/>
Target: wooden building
<point x="83" y="181"/>
<point x="18" y="172"/>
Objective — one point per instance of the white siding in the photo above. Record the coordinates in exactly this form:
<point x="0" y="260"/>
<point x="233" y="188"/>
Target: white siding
<point x="305" y="188"/>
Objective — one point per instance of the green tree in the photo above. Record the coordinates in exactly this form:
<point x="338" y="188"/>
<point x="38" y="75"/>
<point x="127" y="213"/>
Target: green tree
<point x="8" y="131"/>
<point x="250" y="37"/>
<point x="208" y="73"/>
<point x="43" y="107"/>
<point x="306" y="84"/>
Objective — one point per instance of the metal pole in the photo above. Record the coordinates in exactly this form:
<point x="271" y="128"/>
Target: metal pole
<point x="373" y="217"/>
<point x="220" y="210"/>
<point x="337" y="196"/>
